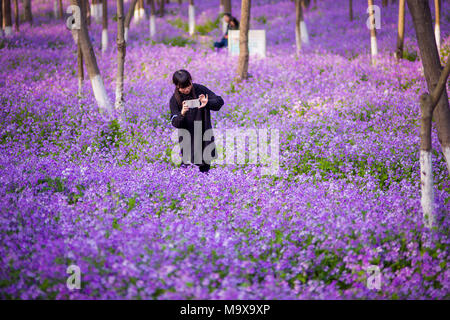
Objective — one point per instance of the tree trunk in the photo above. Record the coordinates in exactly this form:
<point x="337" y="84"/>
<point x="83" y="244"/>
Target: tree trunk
<point x="55" y="9"/>
<point x="437" y="25"/>
<point x="373" y="32"/>
<point x="221" y="12"/>
<point x="350" y="9"/>
<point x="16" y="15"/>
<point x="227" y="6"/>
<point x="94" y="10"/>
<point x="142" y="9"/>
<point x="304" y="31"/>
<point x="128" y="19"/>
<point x="139" y="12"/>
<point x="1" y="18"/>
<point x="80" y="67"/>
<point x="152" y="19"/>
<point x="421" y="14"/>
<point x="91" y="64"/>
<point x="243" y="40"/>
<point x="298" y="31"/>
<point x="7" y="22"/>
<point x="423" y="25"/>
<point x="306" y="4"/>
<point x="121" y="52"/>
<point x="105" y="25"/>
<point x="61" y="10"/>
<point x="191" y="17"/>
<point x="400" y="29"/>
<point x="161" y="8"/>
<point x="226" y="9"/>
<point x="88" y="12"/>
<point x="28" y="14"/>
<point x="97" y="10"/>
<point x="427" y="105"/>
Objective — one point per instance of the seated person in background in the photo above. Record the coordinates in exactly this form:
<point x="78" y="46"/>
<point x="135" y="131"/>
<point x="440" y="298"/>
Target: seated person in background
<point x="232" y="24"/>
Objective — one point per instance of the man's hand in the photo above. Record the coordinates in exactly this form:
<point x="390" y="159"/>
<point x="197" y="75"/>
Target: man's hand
<point x="203" y="100"/>
<point x="185" y="108"/>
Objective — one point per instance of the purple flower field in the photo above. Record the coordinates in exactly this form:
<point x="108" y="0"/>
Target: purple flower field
<point x="77" y="190"/>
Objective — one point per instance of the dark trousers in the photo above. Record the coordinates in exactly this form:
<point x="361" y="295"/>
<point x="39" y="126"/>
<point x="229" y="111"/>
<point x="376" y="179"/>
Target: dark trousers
<point x="222" y="43"/>
<point x="204" y="168"/>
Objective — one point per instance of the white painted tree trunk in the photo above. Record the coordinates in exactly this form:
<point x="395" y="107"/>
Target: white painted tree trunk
<point x="152" y="26"/>
<point x="100" y="93"/>
<point x="104" y="40"/>
<point x="93" y="11"/>
<point x="191" y="19"/>
<point x="97" y="12"/>
<point x="136" y="16"/>
<point x="298" y="39"/>
<point x="75" y="36"/>
<point x="224" y="27"/>
<point x="304" y="32"/>
<point x="55" y="9"/>
<point x="437" y="35"/>
<point x="373" y="46"/>
<point x="224" y="24"/>
<point x="125" y="34"/>
<point x="119" y="97"/>
<point x="446" y="152"/>
<point x="8" y="31"/>
<point x="139" y="14"/>
<point x="80" y="87"/>
<point x="426" y="183"/>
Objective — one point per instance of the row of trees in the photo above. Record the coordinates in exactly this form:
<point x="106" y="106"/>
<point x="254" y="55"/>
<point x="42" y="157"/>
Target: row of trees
<point x="433" y="104"/>
<point x="86" y="54"/>
<point x="95" y="9"/>
<point x="401" y="26"/>
<point x="6" y="15"/>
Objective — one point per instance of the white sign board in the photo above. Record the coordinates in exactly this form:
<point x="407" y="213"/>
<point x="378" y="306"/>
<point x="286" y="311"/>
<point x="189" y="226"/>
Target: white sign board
<point x="256" y="42"/>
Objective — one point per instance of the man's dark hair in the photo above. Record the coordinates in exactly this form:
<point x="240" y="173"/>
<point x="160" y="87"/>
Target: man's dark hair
<point x="182" y="79"/>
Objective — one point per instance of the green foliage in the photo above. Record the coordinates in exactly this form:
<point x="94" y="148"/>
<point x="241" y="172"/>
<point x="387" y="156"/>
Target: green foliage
<point x="262" y="19"/>
<point x="178" y="41"/>
<point x="410" y="55"/>
<point x="311" y="163"/>
<point x="115" y="224"/>
<point x="131" y="203"/>
<point x="113" y="136"/>
<point x="75" y="196"/>
<point x="57" y="44"/>
<point x="49" y="184"/>
<point x="179" y="23"/>
<point x="208" y="26"/>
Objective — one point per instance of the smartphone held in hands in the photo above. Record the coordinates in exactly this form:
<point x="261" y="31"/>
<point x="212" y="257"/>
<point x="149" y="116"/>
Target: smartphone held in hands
<point x="194" y="103"/>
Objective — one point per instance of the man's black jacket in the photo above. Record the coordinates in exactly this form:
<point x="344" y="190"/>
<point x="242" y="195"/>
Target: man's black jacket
<point x="198" y="114"/>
